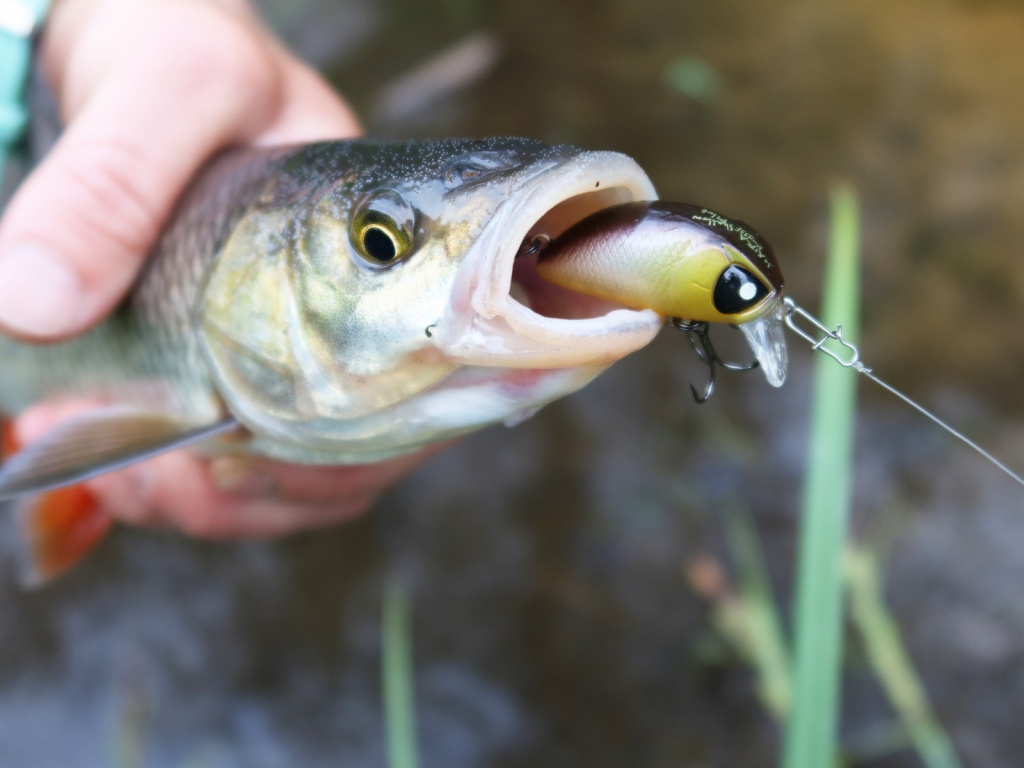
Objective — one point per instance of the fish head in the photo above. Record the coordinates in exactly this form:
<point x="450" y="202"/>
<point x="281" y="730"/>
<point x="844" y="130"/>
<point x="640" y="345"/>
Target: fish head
<point x="370" y="300"/>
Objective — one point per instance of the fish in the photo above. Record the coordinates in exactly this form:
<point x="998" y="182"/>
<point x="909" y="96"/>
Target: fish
<point x="331" y="303"/>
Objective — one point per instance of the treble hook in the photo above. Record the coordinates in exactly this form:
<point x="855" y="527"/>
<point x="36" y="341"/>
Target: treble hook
<point x="699" y="334"/>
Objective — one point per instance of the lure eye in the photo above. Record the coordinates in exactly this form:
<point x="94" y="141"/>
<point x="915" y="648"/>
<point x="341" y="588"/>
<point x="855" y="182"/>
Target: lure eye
<point x="737" y="290"/>
<point x="383" y="228"/>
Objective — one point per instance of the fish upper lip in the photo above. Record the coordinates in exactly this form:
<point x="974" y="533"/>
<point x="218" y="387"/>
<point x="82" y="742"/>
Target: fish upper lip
<point x="484" y="325"/>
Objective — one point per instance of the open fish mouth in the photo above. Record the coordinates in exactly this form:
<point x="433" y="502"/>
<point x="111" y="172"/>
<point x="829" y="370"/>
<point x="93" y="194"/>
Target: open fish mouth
<point x="515" y="318"/>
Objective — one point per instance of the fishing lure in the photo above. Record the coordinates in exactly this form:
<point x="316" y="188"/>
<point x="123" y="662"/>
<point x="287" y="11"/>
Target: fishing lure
<point x="689" y="264"/>
<point x="695" y="266"/>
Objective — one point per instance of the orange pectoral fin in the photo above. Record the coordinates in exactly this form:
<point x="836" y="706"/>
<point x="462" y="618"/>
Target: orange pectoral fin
<point x="60" y="519"/>
<point x="8" y="440"/>
<point x="58" y="527"/>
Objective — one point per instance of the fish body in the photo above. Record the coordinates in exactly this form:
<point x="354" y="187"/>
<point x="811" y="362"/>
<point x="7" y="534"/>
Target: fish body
<point x="350" y="301"/>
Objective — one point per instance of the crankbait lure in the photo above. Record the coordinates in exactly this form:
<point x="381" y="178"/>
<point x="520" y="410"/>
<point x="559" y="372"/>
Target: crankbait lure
<point x="694" y="267"/>
<point x="689" y="264"/>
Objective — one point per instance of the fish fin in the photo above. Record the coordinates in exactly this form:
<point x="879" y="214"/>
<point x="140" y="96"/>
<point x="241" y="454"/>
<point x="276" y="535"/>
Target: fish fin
<point x="8" y="440"/>
<point x="95" y="443"/>
<point x="58" y="528"/>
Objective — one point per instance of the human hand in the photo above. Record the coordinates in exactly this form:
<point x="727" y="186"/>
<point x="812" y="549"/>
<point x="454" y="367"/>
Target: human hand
<point x="148" y="91"/>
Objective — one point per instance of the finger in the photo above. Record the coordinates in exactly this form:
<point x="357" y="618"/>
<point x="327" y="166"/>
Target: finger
<point x="177" y="490"/>
<point x="258" y="477"/>
<point x="310" y="109"/>
<point x="74" y="235"/>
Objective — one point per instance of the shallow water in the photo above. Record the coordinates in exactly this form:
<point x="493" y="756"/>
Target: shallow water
<point x="554" y="623"/>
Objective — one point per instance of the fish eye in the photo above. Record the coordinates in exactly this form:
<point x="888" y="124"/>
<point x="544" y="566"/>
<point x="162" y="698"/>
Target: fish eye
<point x="379" y="244"/>
<point x="737" y="290"/>
<point x="383" y="226"/>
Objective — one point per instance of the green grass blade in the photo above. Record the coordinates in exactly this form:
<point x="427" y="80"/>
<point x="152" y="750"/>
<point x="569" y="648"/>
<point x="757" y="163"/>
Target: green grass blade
<point x="764" y="641"/>
<point x="132" y="727"/>
<point x="396" y="673"/>
<point x="810" y="739"/>
<point x="891" y="663"/>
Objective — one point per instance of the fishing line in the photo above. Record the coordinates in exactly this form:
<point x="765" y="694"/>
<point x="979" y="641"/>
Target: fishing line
<point x="793" y="310"/>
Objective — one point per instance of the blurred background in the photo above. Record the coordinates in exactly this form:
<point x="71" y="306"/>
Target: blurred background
<point x="570" y="576"/>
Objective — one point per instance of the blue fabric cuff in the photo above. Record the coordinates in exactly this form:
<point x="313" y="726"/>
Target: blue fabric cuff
<point x="19" y="20"/>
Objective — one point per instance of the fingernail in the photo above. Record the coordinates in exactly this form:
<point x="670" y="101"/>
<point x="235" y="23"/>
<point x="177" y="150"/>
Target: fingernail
<point x="39" y="294"/>
<point x="241" y="477"/>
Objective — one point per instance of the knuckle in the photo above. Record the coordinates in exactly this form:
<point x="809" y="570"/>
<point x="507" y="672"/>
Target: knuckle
<point x="112" y="205"/>
<point x="225" y="61"/>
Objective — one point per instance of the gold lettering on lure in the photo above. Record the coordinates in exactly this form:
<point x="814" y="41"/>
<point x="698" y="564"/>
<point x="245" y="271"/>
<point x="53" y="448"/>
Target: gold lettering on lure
<point x="712" y="219"/>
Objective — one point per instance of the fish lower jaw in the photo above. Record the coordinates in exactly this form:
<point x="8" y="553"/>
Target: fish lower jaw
<point x="515" y="318"/>
<point x="513" y="339"/>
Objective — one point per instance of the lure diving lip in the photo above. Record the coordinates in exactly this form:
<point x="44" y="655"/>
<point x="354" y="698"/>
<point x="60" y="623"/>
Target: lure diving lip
<point x="766" y="338"/>
<point x="681" y="261"/>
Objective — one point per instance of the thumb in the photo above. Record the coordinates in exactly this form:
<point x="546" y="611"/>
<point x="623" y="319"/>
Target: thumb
<point x="75" y="234"/>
